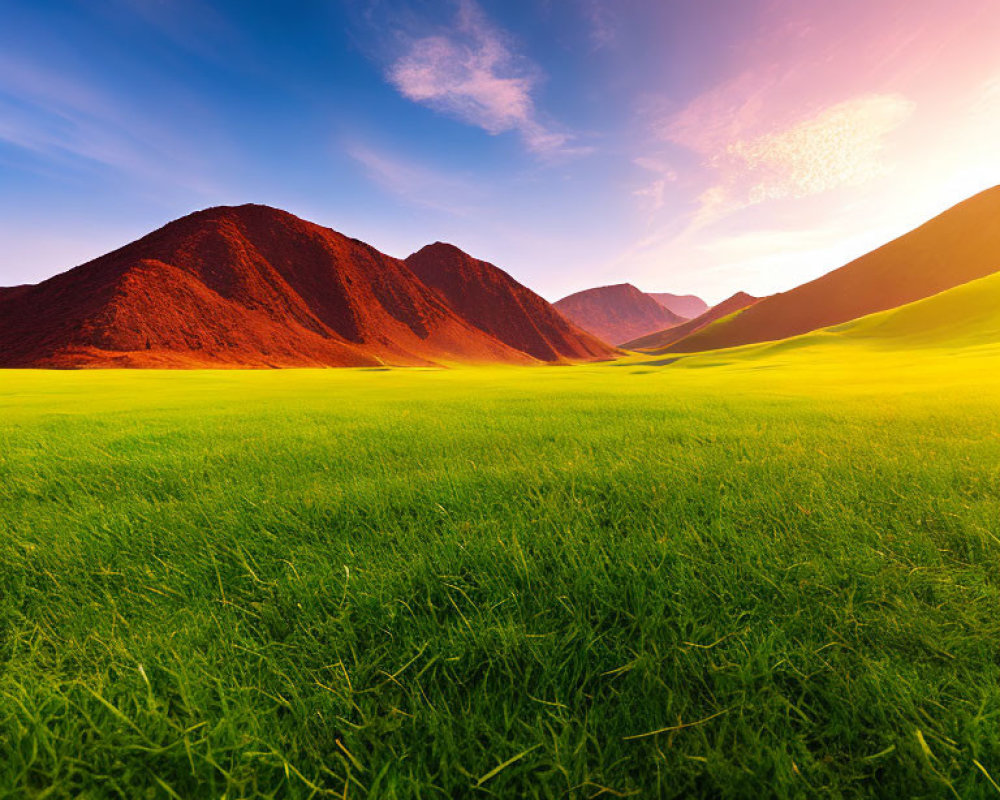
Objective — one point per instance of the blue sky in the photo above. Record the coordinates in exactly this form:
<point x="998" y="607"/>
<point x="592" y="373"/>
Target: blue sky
<point x="708" y="146"/>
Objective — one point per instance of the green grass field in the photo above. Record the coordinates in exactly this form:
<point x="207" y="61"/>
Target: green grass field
<point x="772" y="572"/>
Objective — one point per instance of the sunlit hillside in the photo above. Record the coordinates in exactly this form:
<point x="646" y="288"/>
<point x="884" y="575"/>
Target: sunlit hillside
<point x="960" y="245"/>
<point x="968" y="315"/>
<point x="961" y="325"/>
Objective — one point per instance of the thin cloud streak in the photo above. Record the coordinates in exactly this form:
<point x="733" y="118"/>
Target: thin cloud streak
<point x="68" y="121"/>
<point x="653" y="194"/>
<point x="603" y="23"/>
<point x="414" y="183"/>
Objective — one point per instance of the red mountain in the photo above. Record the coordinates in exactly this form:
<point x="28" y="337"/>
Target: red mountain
<point x="617" y="313"/>
<point x="960" y="245"/>
<point x="679" y="333"/>
<point x="683" y="305"/>
<point x="494" y="302"/>
<point x="240" y="286"/>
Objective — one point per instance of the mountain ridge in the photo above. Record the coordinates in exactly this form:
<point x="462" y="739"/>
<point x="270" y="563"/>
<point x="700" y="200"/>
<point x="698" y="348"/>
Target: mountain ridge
<point x="496" y="303"/>
<point x="665" y="338"/>
<point x="687" y="306"/>
<point x="616" y="313"/>
<point x="245" y="285"/>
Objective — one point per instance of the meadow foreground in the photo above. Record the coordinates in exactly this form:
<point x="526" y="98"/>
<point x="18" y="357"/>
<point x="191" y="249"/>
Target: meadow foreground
<point x="771" y="574"/>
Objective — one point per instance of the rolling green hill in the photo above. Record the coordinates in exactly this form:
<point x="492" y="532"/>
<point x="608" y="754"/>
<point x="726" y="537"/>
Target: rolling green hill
<point x="968" y="315"/>
<point x="960" y="245"/>
<point x="965" y="318"/>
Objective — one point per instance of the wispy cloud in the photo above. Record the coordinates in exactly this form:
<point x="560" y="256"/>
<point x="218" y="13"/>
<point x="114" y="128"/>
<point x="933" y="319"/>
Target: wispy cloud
<point x="840" y="145"/>
<point x="67" y="121"/>
<point x="471" y="72"/>
<point x="722" y="115"/>
<point x="415" y="183"/>
<point x="653" y="194"/>
<point x="603" y="22"/>
<point x="984" y="108"/>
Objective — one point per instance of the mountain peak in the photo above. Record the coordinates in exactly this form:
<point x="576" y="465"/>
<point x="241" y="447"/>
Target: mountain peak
<point x="688" y="306"/>
<point x="617" y="313"/>
<point x="442" y="249"/>
<point x="679" y="333"/>
<point x="616" y="288"/>
<point x="495" y="302"/>
<point x="244" y="212"/>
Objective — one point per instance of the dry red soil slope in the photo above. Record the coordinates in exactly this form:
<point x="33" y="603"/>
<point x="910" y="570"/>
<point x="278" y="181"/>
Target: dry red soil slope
<point x="678" y="333"/>
<point x="616" y="313"/>
<point x="243" y="286"/>
<point x="688" y="306"/>
<point x="494" y="302"/>
<point x="959" y="246"/>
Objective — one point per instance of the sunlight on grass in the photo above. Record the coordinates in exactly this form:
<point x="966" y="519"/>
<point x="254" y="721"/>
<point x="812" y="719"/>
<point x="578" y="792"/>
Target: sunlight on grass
<point x="771" y="572"/>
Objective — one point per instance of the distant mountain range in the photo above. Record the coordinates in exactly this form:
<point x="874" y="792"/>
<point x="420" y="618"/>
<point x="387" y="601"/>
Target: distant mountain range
<point x="677" y="333"/>
<point x="617" y="313"/>
<point x="683" y="305"/>
<point x="251" y="286"/>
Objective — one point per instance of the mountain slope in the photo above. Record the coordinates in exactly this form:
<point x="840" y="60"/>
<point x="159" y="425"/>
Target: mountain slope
<point x="678" y="333"/>
<point x="964" y="316"/>
<point x="616" y="313"/>
<point x="241" y="286"/>
<point x="960" y="245"/>
<point x="494" y="302"/>
<point x="688" y="306"/>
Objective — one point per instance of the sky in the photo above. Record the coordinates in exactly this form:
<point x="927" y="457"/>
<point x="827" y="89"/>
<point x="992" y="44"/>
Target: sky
<point x="703" y="146"/>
